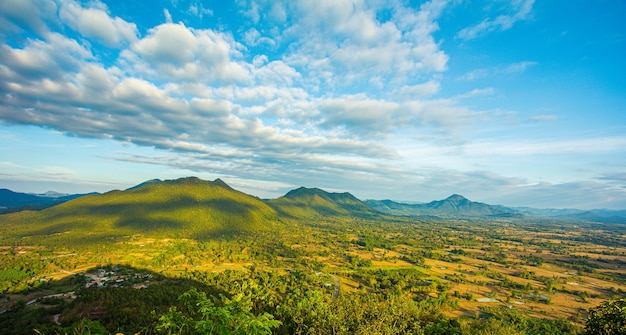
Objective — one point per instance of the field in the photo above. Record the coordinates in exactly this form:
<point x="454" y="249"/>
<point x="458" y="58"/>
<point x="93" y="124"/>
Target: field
<point x="542" y="270"/>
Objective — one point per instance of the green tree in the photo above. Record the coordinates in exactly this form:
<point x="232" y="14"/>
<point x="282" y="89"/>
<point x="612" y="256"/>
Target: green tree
<point x="200" y="314"/>
<point x="607" y="319"/>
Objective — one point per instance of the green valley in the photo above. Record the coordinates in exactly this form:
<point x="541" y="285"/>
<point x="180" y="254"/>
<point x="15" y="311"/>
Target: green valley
<point x="190" y="256"/>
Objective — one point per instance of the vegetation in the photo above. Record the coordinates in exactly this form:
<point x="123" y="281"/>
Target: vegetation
<point x="607" y="319"/>
<point x="191" y="256"/>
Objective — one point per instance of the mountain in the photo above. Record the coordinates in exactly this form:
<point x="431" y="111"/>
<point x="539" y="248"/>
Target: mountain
<point x="147" y="182"/>
<point x="548" y="212"/>
<point x="596" y="215"/>
<point x="186" y="207"/>
<point x="309" y="202"/>
<point x="15" y="201"/>
<point x="451" y="207"/>
<point x="570" y="214"/>
<point x="394" y="208"/>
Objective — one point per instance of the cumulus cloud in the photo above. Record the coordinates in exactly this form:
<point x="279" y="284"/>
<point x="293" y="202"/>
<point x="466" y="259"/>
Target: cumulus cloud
<point x="176" y="52"/>
<point x="517" y="10"/>
<point x="346" y="39"/>
<point x="253" y="37"/>
<point x="90" y="100"/>
<point x="42" y="59"/>
<point x="96" y="23"/>
<point x="17" y="15"/>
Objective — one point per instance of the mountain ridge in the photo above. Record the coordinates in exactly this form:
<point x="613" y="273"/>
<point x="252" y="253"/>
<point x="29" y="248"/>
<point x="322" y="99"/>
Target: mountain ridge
<point x="183" y="208"/>
<point x="304" y="202"/>
<point x="11" y="201"/>
<point x="455" y="205"/>
<point x="307" y="202"/>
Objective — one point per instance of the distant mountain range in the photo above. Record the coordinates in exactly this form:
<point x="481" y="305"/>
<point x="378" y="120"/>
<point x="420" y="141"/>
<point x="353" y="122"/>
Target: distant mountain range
<point x="594" y="215"/>
<point x="455" y="206"/>
<point x="215" y="201"/>
<point x="14" y="201"/>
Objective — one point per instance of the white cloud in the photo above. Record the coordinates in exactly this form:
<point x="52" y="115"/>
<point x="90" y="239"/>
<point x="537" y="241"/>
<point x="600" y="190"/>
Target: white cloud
<point x="543" y="118"/>
<point x="477" y="92"/>
<point x="517" y="11"/>
<point x="97" y="24"/>
<point x="175" y="52"/>
<point x="252" y="37"/>
<point x="57" y="171"/>
<point x="346" y="39"/>
<point x="197" y="9"/>
<point x="547" y="147"/>
<point x="426" y="89"/>
<point x="168" y="16"/>
<point x="15" y="14"/>
<point x="518" y="67"/>
<point x="514" y="68"/>
<point x="51" y="58"/>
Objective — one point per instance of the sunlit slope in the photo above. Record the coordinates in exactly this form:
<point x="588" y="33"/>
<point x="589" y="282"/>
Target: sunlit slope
<point x="187" y="207"/>
<point x="309" y="202"/>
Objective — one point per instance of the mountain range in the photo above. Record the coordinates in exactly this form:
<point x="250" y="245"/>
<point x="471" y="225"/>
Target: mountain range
<point x="455" y="206"/>
<point x="197" y="205"/>
<point x="14" y="201"/>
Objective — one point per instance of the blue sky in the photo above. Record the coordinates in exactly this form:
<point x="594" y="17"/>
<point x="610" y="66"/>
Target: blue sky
<point x="519" y="103"/>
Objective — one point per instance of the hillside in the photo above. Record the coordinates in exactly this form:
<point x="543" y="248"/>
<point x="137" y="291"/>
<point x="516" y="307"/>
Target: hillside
<point x="187" y="207"/>
<point x="453" y="206"/>
<point x="308" y="202"/>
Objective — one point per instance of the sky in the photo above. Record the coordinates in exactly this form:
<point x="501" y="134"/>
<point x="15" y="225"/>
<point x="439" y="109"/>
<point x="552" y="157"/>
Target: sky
<point x="518" y="102"/>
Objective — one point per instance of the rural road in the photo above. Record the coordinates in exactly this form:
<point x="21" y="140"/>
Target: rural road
<point x="60" y="295"/>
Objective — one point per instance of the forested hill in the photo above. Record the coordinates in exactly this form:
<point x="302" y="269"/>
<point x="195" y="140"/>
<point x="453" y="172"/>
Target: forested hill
<point x="182" y="208"/>
<point x="307" y="202"/>
<point x="185" y="208"/>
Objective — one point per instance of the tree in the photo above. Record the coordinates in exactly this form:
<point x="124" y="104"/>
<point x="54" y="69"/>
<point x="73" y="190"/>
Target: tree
<point x="203" y="315"/>
<point x="607" y="319"/>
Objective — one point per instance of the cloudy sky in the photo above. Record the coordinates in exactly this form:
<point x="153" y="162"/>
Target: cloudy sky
<point x="511" y="102"/>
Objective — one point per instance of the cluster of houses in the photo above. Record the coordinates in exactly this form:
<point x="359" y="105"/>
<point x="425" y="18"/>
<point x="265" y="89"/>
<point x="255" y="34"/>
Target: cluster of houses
<point x="116" y="278"/>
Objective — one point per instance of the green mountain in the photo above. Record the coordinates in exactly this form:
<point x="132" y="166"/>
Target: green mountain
<point x="187" y="208"/>
<point x="310" y="202"/>
<point x="455" y="206"/>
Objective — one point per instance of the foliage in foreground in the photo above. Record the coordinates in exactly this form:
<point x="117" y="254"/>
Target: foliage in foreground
<point x="607" y="319"/>
<point x="200" y="314"/>
<point x="246" y="303"/>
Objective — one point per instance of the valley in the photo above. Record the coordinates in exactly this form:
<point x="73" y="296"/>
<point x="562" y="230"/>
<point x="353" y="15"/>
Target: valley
<point x="317" y="262"/>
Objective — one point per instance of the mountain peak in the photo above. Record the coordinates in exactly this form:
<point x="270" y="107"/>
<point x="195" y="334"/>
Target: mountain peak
<point x="303" y="191"/>
<point x="147" y="182"/>
<point x="456" y="197"/>
<point x="303" y="201"/>
<point x="219" y="182"/>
